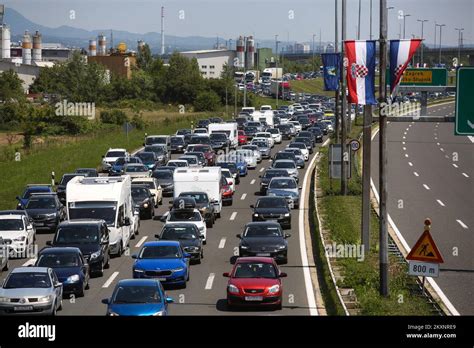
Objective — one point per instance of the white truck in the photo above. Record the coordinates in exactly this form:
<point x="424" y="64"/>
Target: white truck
<point x="229" y="128"/>
<point x="206" y="180"/>
<point x="279" y="87"/>
<point x="106" y="198"/>
<point x="272" y="73"/>
<point x="266" y="116"/>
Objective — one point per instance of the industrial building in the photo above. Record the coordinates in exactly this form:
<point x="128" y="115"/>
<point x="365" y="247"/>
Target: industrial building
<point x="211" y="62"/>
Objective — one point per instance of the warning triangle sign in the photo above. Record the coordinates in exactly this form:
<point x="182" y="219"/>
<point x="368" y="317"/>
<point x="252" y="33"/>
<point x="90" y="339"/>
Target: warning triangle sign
<point x="425" y="250"/>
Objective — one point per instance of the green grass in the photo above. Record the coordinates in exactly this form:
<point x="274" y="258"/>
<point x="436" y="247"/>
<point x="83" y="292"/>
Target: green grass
<point x="342" y="217"/>
<point x="65" y="156"/>
<point x="312" y="86"/>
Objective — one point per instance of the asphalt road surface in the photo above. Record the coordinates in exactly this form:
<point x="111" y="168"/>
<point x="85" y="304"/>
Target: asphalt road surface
<point x="206" y="290"/>
<point x="430" y="174"/>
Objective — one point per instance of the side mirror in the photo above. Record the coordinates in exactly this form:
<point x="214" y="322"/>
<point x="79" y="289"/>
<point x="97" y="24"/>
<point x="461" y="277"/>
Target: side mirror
<point x="260" y="176"/>
<point x="239" y="236"/>
<point x="287" y="235"/>
<point x="283" y="275"/>
<point x="105" y="301"/>
<point x="153" y="195"/>
<point x="226" y="274"/>
<point x="56" y="183"/>
<point x="126" y="221"/>
<point x="252" y="206"/>
<point x="58" y="284"/>
<point x="103" y="156"/>
<point x="134" y="256"/>
<point x="299" y="187"/>
<point x="157" y="236"/>
<point x="169" y="300"/>
<point x="201" y="236"/>
<point x="49" y="243"/>
<point x="17" y="197"/>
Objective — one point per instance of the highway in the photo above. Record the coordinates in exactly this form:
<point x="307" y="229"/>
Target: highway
<point x="430" y="173"/>
<point x="206" y="291"/>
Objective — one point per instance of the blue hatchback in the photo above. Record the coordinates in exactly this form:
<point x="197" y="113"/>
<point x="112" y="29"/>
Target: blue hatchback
<point x="29" y="190"/>
<point x="138" y="297"/>
<point x="162" y="260"/>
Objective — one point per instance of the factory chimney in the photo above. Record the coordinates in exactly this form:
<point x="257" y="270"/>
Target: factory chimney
<point x="162" y="30"/>
<point x="5" y="42"/>
<point x="250" y="59"/>
<point x="26" y="45"/>
<point x="240" y="51"/>
<point x="102" y="50"/>
<point x="92" y="48"/>
<point x="37" y="47"/>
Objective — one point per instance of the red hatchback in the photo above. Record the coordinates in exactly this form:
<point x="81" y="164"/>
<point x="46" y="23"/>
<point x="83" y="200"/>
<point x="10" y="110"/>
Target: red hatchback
<point x="242" y="138"/>
<point x="255" y="281"/>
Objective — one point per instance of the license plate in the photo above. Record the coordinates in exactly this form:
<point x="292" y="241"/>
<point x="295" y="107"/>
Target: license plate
<point x="23" y="308"/>
<point x="161" y="279"/>
<point x="272" y="220"/>
<point x="263" y="254"/>
<point x="253" y="298"/>
<point x="39" y="223"/>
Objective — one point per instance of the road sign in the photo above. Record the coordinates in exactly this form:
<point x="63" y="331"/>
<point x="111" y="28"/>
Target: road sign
<point x="425" y="77"/>
<point x="464" y="122"/>
<point x="355" y="144"/>
<point x="423" y="269"/>
<point x="425" y="250"/>
<point x="335" y="162"/>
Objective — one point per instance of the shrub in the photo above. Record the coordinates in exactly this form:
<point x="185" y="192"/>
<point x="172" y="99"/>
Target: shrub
<point x="113" y="117"/>
<point x="207" y="101"/>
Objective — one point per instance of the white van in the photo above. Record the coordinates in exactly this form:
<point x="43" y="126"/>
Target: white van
<point x="206" y="180"/>
<point x="229" y="128"/>
<point x="265" y="116"/>
<point x="248" y="109"/>
<point x="107" y="198"/>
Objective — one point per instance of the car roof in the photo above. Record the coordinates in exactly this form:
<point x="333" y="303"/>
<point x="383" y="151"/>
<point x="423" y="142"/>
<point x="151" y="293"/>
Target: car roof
<point x="11" y="216"/>
<point x="141" y="282"/>
<point x="81" y="222"/>
<point x="30" y="270"/>
<point x="254" y="259"/>
<point x="162" y="243"/>
<point x="61" y="250"/>
<point x="116" y="149"/>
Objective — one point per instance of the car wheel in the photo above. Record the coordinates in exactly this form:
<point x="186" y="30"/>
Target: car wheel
<point x="209" y="223"/>
<point x="54" y="310"/>
<point x="100" y="272"/>
<point x="202" y="254"/>
<point x="5" y="268"/>
<point x="187" y="279"/>
<point x="107" y="264"/>
<point x="219" y="215"/>
<point x="279" y="306"/>
<point x="80" y="293"/>
<point x="60" y="304"/>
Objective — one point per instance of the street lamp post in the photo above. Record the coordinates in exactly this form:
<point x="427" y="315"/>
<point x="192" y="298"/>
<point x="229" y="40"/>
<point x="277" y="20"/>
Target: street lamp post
<point x="314" y="69"/>
<point x="459" y="43"/>
<point x="440" y="38"/>
<point x="422" y="21"/>
<point x="404" y="23"/>
<point x="276" y="65"/>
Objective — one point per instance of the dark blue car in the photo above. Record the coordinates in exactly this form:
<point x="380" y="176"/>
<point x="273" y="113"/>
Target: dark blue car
<point x="117" y="166"/>
<point x="164" y="261"/>
<point x="138" y="297"/>
<point x="70" y="268"/>
<point x="29" y="190"/>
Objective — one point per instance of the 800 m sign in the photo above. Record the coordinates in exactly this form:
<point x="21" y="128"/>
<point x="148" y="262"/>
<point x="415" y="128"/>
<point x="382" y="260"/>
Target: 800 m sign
<point x="423" y="269"/>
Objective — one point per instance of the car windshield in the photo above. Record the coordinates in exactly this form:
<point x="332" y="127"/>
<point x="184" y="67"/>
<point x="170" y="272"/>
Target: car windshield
<point x="283" y="184"/>
<point x="149" y="184"/>
<point x="27" y="194"/>
<point x="297" y="152"/>
<point x="218" y="136"/>
<point x="190" y="160"/>
<point x="122" y="160"/>
<point x="140" y="193"/>
<point x="93" y="210"/>
<point x="255" y="270"/>
<point x="115" y="154"/>
<point x="275" y="173"/>
<point x="284" y="155"/>
<point x="200" y="131"/>
<point x="273" y="130"/>
<point x="271" y="203"/>
<point x="58" y="260"/>
<point x="285" y="164"/>
<point x="184" y="216"/>
<point x="298" y="145"/>
<point x="41" y="203"/>
<point x="146" y="157"/>
<point x="177" y="141"/>
<point x="163" y="174"/>
<point x="250" y="147"/>
<point x="11" y="225"/>
<point x="66" y="178"/>
<point x="226" y="174"/>
<point x="200" y="140"/>
<point x="183" y="132"/>
<point x="24" y="280"/>
<point x="136" y="294"/>
<point x="178" y="163"/>
<point x="198" y="197"/>
<point x="177" y="233"/>
<point x="159" y="150"/>
<point x="80" y="234"/>
<point x="260" y="144"/>
<point x="160" y="252"/>
<point x="155" y="140"/>
<point x="255" y="230"/>
<point x="136" y="169"/>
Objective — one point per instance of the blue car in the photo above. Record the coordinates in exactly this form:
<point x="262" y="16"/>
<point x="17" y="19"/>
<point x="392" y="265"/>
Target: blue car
<point x="239" y="162"/>
<point x="117" y="166"/>
<point x="29" y="190"/>
<point x="70" y="267"/>
<point x="138" y="297"/>
<point x="162" y="260"/>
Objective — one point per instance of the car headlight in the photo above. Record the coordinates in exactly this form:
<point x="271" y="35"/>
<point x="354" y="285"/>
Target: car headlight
<point x="138" y="271"/>
<point x="243" y="246"/>
<point x="281" y="247"/>
<point x="19" y="239"/>
<point x="45" y="299"/>
<point x="4" y="299"/>
<point x="72" y="279"/>
<point x="159" y="314"/>
<point x="145" y="205"/>
<point x="274" y="289"/>
<point x="95" y="255"/>
<point x="50" y="215"/>
<point x="233" y="289"/>
<point x="178" y="269"/>
<point x="287" y="214"/>
<point x="201" y="229"/>
<point x="113" y="314"/>
<point x="256" y="215"/>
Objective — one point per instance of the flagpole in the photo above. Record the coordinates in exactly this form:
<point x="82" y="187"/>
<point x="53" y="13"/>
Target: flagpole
<point x="336" y="50"/>
<point x="344" y="154"/>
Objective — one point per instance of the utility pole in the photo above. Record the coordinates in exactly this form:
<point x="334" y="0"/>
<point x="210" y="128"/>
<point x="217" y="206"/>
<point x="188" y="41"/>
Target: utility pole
<point x="440" y="34"/>
<point x="422" y="21"/>
<point x="459" y="44"/>
<point x="404" y="23"/>
<point x="358" y="22"/>
<point x="344" y="154"/>
<point x="370" y="24"/>
<point x="436" y="30"/>
<point x="320" y="41"/>
<point x="313" y="53"/>
<point x="276" y="65"/>
<point x="383" y="232"/>
<point x="336" y="49"/>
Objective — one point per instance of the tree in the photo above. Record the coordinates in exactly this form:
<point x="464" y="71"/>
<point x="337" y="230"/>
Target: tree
<point x="144" y="58"/>
<point x="11" y="88"/>
<point x="207" y="101"/>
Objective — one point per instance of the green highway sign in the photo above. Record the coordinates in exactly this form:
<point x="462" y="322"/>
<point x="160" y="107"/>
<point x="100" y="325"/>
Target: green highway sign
<point x="423" y="77"/>
<point x="464" y="123"/>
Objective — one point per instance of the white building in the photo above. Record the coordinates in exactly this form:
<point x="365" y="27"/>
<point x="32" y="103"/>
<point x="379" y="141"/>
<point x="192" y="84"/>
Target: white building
<point x="211" y="62"/>
<point x="302" y="48"/>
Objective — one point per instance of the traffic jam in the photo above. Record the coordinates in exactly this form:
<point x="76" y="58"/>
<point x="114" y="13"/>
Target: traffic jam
<point x="170" y="196"/>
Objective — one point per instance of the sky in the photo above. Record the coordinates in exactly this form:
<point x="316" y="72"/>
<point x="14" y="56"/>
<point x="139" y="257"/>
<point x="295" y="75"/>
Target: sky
<point x="295" y="20"/>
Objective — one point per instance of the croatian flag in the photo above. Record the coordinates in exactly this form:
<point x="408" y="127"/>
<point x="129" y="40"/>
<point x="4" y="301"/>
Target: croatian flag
<point x="360" y="71"/>
<point x="401" y="52"/>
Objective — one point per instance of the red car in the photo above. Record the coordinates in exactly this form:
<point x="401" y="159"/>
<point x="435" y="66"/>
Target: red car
<point x="255" y="281"/>
<point x="242" y="138"/>
<point x="206" y="150"/>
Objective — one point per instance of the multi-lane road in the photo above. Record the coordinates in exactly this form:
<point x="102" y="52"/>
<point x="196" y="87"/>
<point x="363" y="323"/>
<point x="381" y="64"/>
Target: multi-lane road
<point x="430" y="174"/>
<point x="206" y="290"/>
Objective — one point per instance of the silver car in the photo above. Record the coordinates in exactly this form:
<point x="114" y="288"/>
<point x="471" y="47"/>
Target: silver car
<point x="255" y="150"/>
<point x="136" y="170"/>
<point x="249" y="157"/>
<point x="289" y="165"/>
<point x="263" y="147"/>
<point x="31" y="290"/>
<point x="285" y="187"/>
<point x="3" y="255"/>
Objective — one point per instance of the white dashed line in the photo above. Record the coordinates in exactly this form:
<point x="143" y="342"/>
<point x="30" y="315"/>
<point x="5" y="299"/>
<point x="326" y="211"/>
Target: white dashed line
<point x="440" y="203"/>
<point x="243" y="196"/>
<point x="467" y="176"/>
<point x="404" y="133"/>
<point x="406" y="155"/>
<point x="110" y="280"/>
<point x="262" y="169"/>
<point x="471" y="138"/>
<point x="252" y="182"/>
<point x="441" y="149"/>
<point x="463" y="225"/>
<point x="436" y="138"/>
<point x="30" y="262"/>
<point x="404" y="137"/>
<point x="426" y="186"/>
<point x="140" y="242"/>
<point x="455" y="165"/>
<point x="438" y="144"/>
<point x="222" y="243"/>
<point x="410" y="164"/>
<point x="232" y="217"/>
<point x="404" y="148"/>
<point x="416" y="174"/>
<point x="210" y="280"/>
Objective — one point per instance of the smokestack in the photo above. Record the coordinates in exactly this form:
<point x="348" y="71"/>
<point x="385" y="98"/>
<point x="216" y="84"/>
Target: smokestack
<point x="162" y="30"/>
<point x="240" y="51"/>
<point x="92" y="48"/>
<point x="5" y="42"/>
<point x="102" y="50"/>
<point x="26" y="45"/>
<point x="250" y="59"/>
<point x="37" y="47"/>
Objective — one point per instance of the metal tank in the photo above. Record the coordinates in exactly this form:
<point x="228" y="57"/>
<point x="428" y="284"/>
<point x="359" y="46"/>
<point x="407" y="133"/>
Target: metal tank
<point x="26" y="48"/>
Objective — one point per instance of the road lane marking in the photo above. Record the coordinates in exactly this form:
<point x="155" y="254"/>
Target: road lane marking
<point x="210" y="280"/>
<point x="30" y="262"/>
<point x="438" y="144"/>
<point x="243" y="196"/>
<point x="110" y="280"/>
<point x="463" y="225"/>
<point x="404" y="137"/>
<point x="441" y="149"/>
<point x="471" y="138"/>
<point x="403" y="143"/>
<point x="455" y="165"/>
<point x="467" y="176"/>
<point x="252" y="182"/>
<point x="426" y="186"/>
<point x="440" y="203"/>
<point x="410" y="164"/>
<point x="140" y="242"/>
<point x="406" y="155"/>
<point x="405" y="133"/>
<point x="416" y="174"/>
<point x="404" y="148"/>
<point x="232" y="217"/>
<point x="262" y="169"/>
<point x="222" y="243"/>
